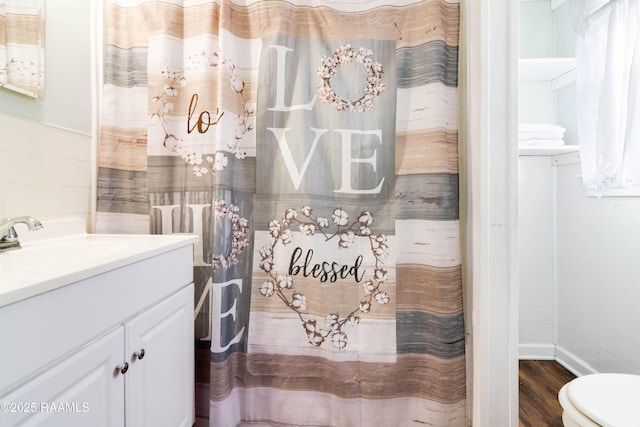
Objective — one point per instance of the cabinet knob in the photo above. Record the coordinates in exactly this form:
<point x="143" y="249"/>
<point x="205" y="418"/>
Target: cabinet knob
<point x="123" y="368"/>
<point x="140" y="354"/>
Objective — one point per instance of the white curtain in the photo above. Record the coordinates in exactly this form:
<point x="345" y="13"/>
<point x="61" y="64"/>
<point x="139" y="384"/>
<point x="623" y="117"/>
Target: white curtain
<point x="608" y="93"/>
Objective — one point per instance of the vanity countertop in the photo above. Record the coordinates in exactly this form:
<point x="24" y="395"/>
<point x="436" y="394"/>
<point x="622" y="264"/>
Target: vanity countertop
<point x="47" y="261"/>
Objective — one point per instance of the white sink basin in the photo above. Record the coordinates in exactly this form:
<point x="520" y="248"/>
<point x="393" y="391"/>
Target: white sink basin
<point x="45" y="264"/>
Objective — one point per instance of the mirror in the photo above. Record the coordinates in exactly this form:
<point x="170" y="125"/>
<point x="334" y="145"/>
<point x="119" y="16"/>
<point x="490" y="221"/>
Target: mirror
<point x="22" y="31"/>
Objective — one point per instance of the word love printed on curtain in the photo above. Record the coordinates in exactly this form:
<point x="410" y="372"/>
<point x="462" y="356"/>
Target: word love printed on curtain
<point x="325" y="170"/>
<point x="312" y="145"/>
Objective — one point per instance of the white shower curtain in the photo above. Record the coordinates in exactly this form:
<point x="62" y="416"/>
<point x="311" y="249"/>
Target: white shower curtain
<point x="608" y="101"/>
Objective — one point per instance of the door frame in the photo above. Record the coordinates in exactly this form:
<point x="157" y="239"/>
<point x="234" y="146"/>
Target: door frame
<point x="489" y="178"/>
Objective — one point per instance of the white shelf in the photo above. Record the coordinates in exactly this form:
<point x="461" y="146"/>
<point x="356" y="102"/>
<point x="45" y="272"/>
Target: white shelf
<point x="553" y="4"/>
<point x="547" y="151"/>
<point x="559" y="71"/>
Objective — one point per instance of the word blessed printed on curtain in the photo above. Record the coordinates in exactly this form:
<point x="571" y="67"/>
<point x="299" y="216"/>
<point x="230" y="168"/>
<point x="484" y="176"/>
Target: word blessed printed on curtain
<point x="297" y="155"/>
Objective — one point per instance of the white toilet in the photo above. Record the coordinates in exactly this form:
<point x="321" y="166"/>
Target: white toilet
<point x="601" y="400"/>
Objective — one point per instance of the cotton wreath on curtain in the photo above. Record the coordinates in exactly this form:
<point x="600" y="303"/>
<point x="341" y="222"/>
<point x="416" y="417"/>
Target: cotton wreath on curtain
<point x="313" y="146"/>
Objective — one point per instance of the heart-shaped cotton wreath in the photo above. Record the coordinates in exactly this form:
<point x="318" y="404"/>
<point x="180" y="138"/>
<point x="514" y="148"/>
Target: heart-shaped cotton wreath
<point x="345" y="233"/>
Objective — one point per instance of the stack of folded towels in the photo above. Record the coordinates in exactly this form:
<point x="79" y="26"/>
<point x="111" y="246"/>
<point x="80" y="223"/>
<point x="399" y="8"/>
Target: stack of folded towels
<point x="540" y="135"/>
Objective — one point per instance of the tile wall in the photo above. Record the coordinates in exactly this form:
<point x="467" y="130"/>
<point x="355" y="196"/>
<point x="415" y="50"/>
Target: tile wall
<point x="45" y="171"/>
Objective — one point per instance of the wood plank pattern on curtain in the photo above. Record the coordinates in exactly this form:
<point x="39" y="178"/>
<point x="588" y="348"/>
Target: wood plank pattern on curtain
<point x="313" y="146"/>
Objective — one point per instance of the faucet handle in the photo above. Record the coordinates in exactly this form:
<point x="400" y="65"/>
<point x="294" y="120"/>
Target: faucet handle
<point x="10" y="236"/>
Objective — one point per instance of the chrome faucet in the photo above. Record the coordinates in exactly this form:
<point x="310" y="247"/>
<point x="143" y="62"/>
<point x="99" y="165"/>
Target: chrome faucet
<point x="9" y="237"/>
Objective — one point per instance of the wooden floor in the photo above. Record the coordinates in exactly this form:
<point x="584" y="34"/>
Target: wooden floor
<point x="540" y="382"/>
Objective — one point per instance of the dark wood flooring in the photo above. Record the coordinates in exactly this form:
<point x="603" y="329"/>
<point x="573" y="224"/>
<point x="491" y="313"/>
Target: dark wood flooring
<point x="540" y="382"/>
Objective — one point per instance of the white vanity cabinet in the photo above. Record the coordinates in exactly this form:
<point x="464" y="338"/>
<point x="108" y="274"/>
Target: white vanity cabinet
<point x="114" y="349"/>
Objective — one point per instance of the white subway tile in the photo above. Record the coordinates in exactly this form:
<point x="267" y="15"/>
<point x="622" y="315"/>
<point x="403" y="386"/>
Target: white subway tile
<point x="44" y="171"/>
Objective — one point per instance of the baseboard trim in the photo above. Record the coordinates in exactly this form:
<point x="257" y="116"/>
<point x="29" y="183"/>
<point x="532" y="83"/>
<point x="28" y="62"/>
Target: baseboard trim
<point x="537" y="351"/>
<point x="573" y="363"/>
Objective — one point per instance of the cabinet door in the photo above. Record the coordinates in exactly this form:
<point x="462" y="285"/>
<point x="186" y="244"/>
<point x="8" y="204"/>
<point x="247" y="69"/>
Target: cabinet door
<point x="159" y="386"/>
<point x="86" y="389"/>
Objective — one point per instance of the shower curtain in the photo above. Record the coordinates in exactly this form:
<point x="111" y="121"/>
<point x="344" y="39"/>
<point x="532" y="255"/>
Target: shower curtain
<point x="312" y="145"/>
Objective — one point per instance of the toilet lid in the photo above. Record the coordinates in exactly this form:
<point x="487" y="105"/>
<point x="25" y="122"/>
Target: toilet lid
<point x="608" y="399"/>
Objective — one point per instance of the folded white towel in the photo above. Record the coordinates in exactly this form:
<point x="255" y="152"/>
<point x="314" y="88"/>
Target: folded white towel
<point x="541" y="143"/>
<point x="525" y="136"/>
<point x="539" y="127"/>
<point x="528" y="131"/>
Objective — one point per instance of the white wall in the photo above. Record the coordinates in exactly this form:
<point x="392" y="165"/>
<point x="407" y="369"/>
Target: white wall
<point x="45" y="145"/>
<point x="535" y="238"/>
<point x="67" y="70"/>
<point x="589" y="319"/>
<point x="598" y="277"/>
